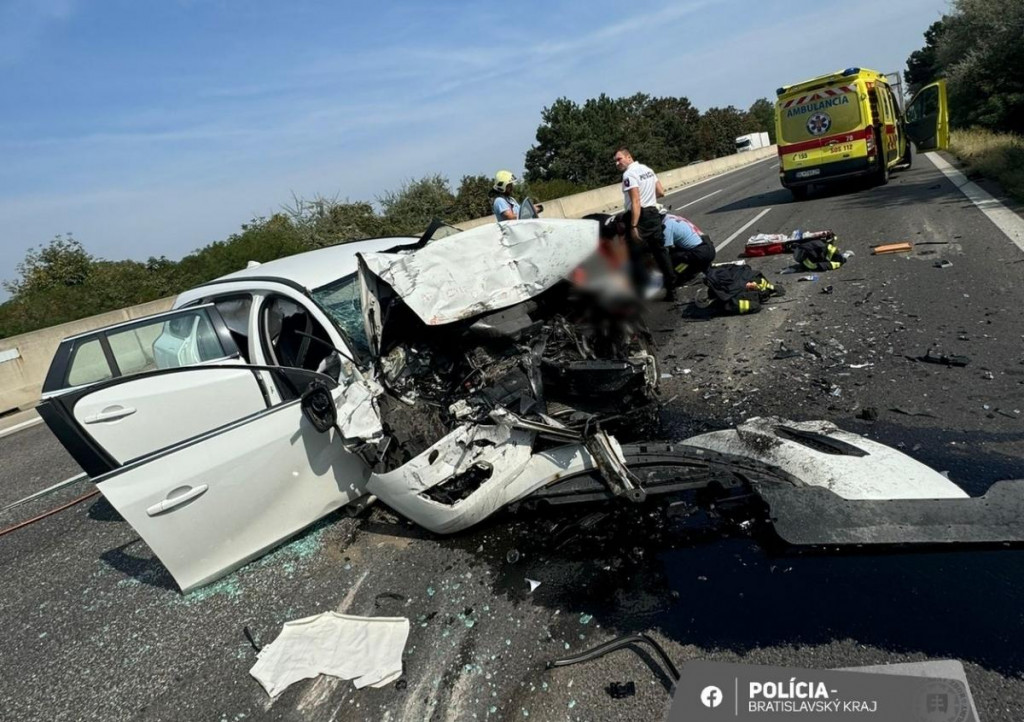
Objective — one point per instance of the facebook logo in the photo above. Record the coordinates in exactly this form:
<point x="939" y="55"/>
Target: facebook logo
<point x="711" y="696"/>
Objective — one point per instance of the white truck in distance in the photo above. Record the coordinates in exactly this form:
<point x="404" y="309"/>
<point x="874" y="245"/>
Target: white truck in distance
<point x="752" y="141"/>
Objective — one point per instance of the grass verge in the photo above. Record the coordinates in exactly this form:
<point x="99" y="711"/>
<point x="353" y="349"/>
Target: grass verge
<point x="999" y="156"/>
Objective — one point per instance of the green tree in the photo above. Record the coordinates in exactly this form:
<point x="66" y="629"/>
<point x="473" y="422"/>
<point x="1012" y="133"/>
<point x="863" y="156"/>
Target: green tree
<point x="473" y="199"/>
<point x="261" y="240"/>
<point x="977" y="47"/>
<point x="570" y="140"/>
<point x="410" y="209"/>
<point x="923" y="64"/>
<point x="575" y="143"/>
<point x="718" y="130"/>
<point x="61" y="262"/>
<point x="325" y="222"/>
<point x="761" y="118"/>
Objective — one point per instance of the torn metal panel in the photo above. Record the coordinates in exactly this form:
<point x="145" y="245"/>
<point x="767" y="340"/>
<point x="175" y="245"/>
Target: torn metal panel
<point x="485" y="269"/>
<point x="517" y="472"/>
<point x="865" y="470"/>
<point x="358" y="414"/>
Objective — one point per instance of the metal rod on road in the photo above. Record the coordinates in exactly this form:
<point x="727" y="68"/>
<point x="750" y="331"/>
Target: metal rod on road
<point x="45" y="514"/>
<point x="49" y="490"/>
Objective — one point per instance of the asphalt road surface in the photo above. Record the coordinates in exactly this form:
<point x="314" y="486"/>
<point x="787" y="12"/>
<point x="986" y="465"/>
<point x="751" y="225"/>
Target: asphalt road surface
<point x="94" y="628"/>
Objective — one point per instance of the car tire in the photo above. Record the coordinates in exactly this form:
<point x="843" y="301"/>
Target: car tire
<point x="799" y="192"/>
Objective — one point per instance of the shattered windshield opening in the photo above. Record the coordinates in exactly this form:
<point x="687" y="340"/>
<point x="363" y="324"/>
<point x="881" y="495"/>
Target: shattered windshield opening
<point x="340" y="300"/>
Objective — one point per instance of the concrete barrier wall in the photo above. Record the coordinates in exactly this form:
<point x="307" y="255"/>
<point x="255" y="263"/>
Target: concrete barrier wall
<point x="609" y="198"/>
<point x="25" y="359"/>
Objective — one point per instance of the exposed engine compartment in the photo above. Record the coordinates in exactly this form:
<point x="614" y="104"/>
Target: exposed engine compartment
<point x="569" y="358"/>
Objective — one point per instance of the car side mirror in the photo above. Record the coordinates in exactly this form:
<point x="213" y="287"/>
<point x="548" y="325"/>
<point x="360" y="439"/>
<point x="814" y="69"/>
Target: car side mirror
<point x="318" y="406"/>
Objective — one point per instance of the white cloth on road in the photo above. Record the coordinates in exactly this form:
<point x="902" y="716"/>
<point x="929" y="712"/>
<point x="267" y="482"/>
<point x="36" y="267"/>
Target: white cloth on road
<point x="367" y="650"/>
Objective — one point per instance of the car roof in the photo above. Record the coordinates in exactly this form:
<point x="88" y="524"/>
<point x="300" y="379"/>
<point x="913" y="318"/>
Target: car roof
<point x="313" y="269"/>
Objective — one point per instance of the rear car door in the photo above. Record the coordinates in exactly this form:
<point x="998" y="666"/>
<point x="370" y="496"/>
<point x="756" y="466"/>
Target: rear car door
<point x="927" y="117"/>
<point x="189" y="448"/>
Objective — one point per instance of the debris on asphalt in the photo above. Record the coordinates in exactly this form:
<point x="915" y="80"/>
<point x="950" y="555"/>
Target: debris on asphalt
<point x="868" y="413"/>
<point x="912" y="412"/>
<point x="942" y="359"/>
<point x="621" y="690"/>
<point x="812" y="348"/>
<point x="988" y="376"/>
<point x="785" y="352"/>
<point x="513" y="556"/>
<point x="811" y="278"/>
<point x="860" y="366"/>
<point x="827" y="290"/>
<point x="385" y="599"/>
<point x="626" y="641"/>
<point x="252" y="641"/>
<point x="367" y="650"/>
<point x="943" y="264"/>
<point x="533" y="585"/>
<point x="892" y="248"/>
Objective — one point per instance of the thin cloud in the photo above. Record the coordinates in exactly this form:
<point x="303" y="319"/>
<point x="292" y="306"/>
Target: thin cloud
<point x="24" y="22"/>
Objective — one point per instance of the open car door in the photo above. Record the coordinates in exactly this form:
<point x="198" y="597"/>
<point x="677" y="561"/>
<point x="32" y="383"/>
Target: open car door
<point x="927" y="117"/>
<point x="529" y="209"/>
<point x="195" y="457"/>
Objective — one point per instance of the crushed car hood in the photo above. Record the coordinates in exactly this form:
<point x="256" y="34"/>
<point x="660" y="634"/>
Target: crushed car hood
<point x="484" y="269"/>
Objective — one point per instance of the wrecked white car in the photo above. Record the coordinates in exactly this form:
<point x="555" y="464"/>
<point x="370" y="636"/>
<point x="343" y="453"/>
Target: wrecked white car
<point x="448" y="379"/>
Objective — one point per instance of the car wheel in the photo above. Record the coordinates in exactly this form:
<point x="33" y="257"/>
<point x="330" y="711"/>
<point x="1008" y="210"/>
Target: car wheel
<point x="799" y="192"/>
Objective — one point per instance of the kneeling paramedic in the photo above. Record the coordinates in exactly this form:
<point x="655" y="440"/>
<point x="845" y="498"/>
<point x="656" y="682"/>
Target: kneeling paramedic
<point x="690" y="249"/>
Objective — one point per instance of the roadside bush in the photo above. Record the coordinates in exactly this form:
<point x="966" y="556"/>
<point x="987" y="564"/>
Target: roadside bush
<point x="999" y="156"/>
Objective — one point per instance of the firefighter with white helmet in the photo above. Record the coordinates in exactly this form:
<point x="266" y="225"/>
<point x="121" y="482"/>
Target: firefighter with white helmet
<point x="506" y="208"/>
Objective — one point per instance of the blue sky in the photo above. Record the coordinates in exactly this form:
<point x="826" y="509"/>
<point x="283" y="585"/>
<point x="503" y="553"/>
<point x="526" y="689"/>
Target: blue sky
<point x="154" y="127"/>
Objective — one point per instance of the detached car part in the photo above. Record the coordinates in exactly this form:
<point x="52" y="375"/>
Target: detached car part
<point x="215" y="434"/>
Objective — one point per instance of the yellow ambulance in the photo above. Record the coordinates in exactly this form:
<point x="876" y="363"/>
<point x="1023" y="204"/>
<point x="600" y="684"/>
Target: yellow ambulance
<point x="849" y="124"/>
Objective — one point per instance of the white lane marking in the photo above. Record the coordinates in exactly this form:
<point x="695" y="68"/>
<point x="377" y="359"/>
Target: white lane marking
<point x="688" y="186"/>
<point x="742" y="228"/>
<point x="699" y="199"/>
<point x="1004" y="219"/>
<point x="22" y="425"/>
